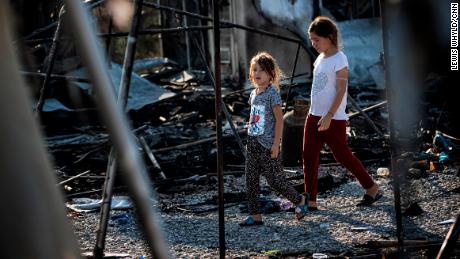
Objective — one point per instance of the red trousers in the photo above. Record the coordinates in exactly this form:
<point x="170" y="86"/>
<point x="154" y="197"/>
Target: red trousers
<point x="335" y="137"/>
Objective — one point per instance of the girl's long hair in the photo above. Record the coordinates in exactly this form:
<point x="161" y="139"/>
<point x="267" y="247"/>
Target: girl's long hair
<point x="268" y="63"/>
<point x="327" y="28"/>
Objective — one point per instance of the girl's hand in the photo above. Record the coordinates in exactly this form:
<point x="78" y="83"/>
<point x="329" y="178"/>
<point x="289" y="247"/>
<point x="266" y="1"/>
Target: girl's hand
<point x="275" y="151"/>
<point x="324" y="122"/>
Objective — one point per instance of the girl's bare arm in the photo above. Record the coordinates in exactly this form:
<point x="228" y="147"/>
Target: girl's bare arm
<point x="341" y="88"/>
<point x="278" y="130"/>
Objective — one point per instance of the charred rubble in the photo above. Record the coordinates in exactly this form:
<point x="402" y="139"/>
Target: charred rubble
<point x="180" y="131"/>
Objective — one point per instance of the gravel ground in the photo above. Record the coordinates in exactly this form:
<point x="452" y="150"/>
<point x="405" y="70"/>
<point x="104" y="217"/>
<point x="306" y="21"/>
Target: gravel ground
<point x="338" y="228"/>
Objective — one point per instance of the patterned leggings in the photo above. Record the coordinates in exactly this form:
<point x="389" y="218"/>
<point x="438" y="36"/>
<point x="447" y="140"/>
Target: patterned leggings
<point x="259" y="162"/>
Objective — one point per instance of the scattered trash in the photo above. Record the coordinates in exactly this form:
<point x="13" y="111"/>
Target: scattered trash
<point x="383" y="172"/>
<point x="318" y="255"/>
<point x="447" y="222"/>
<point x="89" y="205"/>
<point x="360" y="228"/>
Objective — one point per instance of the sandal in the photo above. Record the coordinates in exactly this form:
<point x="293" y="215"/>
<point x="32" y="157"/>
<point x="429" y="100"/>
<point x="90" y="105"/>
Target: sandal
<point x="301" y="210"/>
<point x="368" y="200"/>
<point x="249" y="221"/>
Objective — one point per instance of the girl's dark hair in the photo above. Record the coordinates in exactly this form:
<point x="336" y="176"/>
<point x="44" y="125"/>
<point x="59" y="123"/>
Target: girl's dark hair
<point x="268" y="63"/>
<point x="325" y="27"/>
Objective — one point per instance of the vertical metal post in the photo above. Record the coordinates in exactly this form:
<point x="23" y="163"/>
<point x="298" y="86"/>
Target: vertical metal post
<point x="224" y="107"/>
<point x="117" y="123"/>
<point x="101" y="231"/>
<point x="233" y="47"/>
<point x="123" y="91"/>
<point x="395" y="167"/>
<point x="210" y="42"/>
<point x="218" y="108"/>
<point x="129" y="55"/>
<point x="50" y="64"/>
<point x="187" y="38"/>
<point x="108" y="41"/>
<point x="160" y="38"/>
<point x="33" y="223"/>
<point x="292" y="75"/>
<point x="202" y="33"/>
<point x="451" y="239"/>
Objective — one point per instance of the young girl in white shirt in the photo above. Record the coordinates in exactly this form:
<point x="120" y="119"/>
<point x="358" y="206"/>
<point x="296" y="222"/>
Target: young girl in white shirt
<point x="327" y="119"/>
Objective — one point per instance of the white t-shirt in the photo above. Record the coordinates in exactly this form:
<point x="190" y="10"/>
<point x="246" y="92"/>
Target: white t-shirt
<point x="323" y="88"/>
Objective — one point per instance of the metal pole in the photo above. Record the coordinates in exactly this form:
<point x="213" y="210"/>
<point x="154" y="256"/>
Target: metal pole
<point x="451" y="239"/>
<point x="101" y="231"/>
<point x="202" y="17"/>
<point x="74" y="177"/>
<point x="108" y="41"/>
<point x="33" y="222"/>
<point x="222" y="23"/>
<point x="224" y="106"/>
<point x="129" y="55"/>
<point x="140" y="32"/>
<point x="160" y="39"/>
<point x="366" y="117"/>
<point x="158" y="30"/>
<point x="136" y="175"/>
<point x="367" y="109"/>
<point x="51" y="25"/>
<point x="187" y="39"/>
<point x="55" y="76"/>
<point x="292" y="75"/>
<point x="152" y="158"/>
<point x="50" y="64"/>
<point x="395" y="167"/>
<point x="123" y="91"/>
<point x="218" y="108"/>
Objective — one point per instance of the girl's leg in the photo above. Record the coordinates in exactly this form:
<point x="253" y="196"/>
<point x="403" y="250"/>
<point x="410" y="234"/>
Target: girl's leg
<point x="252" y="177"/>
<point x="312" y="144"/>
<point x="272" y="170"/>
<point x="336" y="139"/>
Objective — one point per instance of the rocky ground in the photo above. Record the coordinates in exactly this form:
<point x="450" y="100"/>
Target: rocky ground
<point x="338" y="229"/>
